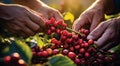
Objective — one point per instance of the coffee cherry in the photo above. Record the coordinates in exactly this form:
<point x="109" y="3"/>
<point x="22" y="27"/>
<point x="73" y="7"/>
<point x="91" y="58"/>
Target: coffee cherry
<point x="86" y="45"/>
<point x="87" y="54"/>
<point x="71" y="55"/>
<point x="49" y="32"/>
<point x="65" y="51"/>
<point x="53" y="29"/>
<point x="39" y="54"/>
<point x="100" y="56"/>
<point x="15" y="56"/>
<point x="7" y="59"/>
<point x="77" y="47"/>
<point x="90" y="41"/>
<point x="49" y="51"/>
<point x="77" y="61"/>
<point x="21" y="63"/>
<point x="82" y="50"/>
<point x="44" y="54"/>
<point x="55" y="51"/>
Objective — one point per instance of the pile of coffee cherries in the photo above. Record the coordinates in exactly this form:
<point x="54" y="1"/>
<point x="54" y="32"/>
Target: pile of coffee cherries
<point x="13" y="60"/>
<point x="73" y="44"/>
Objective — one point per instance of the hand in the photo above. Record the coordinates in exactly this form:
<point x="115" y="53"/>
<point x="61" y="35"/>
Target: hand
<point x="20" y="20"/>
<point x="48" y="12"/>
<point x="107" y="34"/>
<point x="93" y="15"/>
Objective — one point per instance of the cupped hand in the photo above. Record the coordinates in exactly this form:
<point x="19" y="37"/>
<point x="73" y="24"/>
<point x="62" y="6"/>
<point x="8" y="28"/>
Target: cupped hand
<point x="107" y="34"/>
<point x="20" y="20"/>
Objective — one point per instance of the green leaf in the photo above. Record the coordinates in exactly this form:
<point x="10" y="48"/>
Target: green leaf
<point x="69" y="16"/>
<point x="23" y="49"/>
<point x="60" y="60"/>
<point x="39" y="41"/>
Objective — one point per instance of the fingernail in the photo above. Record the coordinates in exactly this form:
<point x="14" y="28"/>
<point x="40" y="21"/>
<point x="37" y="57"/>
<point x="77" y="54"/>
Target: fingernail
<point x="89" y="37"/>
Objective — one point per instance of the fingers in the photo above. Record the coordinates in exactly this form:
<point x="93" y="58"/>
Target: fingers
<point x="96" y="21"/>
<point x="98" y="31"/>
<point x="58" y="16"/>
<point x="104" y="39"/>
<point x="16" y="30"/>
<point x="110" y="45"/>
<point x="21" y="29"/>
<point x="37" y="19"/>
<point x="80" y="22"/>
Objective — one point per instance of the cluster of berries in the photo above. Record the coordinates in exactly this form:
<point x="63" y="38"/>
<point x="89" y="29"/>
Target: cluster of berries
<point x="73" y="44"/>
<point x="13" y="60"/>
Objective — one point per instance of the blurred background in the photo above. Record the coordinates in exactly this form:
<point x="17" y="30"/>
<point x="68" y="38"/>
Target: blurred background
<point x="73" y="6"/>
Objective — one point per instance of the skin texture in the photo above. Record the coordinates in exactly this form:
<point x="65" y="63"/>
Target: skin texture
<point x="93" y="15"/>
<point x="41" y="8"/>
<point x="20" y="20"/>
<point x="106" y="34"/>
<point x="28" y="19"/>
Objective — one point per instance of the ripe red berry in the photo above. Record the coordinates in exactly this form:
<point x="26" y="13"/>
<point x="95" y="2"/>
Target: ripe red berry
<point x="71" y="55"/>
<point x="44" y="54"/>
<point x="86" y="32"/>
<point x="75" y="37"/>
<point x="53" y="40"/>
<point x="52" y="19"/>
<point x="7" y="59"/>
<point x="63" y="38"/>
<point x="55" y="51"/>
<point x="82" y="30"/>
<point x="39" y="54"/>
<point x="58" y="43"/>
<point x="55" y="24"/>
<point x="69" y="35"/>
<point x="58" y="31"/>
<point x="90" y="42"/>
<point x="77" y="47"/>
<point x="65" y="51"/>
<point x="87" y="54"/>
<point x="71" y="48"/>
<point x="52" y="28"/>
<point x="60" y="22"/>
<point x="82" y="50"/>
<point x="77" y="61"/>
<point x="49" y="51"/>
<point x="86" y="45"/>
<point x="80" y="41"/>
<point x="69" y="40"/>
<point x="49" y="31"/>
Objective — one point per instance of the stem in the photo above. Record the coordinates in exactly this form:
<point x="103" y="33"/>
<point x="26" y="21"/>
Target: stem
<point x="73" y="31"/>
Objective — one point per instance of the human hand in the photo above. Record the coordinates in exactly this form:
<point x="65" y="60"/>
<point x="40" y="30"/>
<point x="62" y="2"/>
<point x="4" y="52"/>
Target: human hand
<point x="47" y="11"/>
<point x="20" y="20"/>
<point x="93" y="16"/>
<point x="107" y="34"/>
